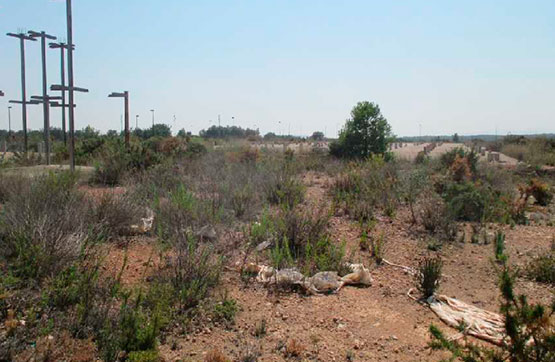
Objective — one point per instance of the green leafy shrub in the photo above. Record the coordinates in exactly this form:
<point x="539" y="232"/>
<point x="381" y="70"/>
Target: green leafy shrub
<point x="466" y="201"/>
<point x="226" y="309"/>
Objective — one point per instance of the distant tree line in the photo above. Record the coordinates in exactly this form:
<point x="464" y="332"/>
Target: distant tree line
<point x="228" y="132"/>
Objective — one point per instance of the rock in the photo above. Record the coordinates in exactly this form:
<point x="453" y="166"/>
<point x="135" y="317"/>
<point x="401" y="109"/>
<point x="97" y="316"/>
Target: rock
<point x="264" y="245"/>
<point x="206" y="232"/>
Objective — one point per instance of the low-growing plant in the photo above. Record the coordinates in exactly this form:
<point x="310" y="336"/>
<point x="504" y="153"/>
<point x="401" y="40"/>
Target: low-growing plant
<point x="428" y="275"/>
<point x="226" y="309"/>
<point x="377" y="246"/>
<point x="499" y="246"/>
<point x="542" y="268"/>
<point x="260" y="329"/>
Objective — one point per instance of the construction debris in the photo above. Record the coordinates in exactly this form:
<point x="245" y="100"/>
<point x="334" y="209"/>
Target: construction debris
<point x="477" y="322"/>
<point x="322" y="282"/>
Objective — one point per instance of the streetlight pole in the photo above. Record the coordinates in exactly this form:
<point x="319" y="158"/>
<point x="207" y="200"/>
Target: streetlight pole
<point x="63" y="105"/>
<point x="9" y="121"/>
<point x="46" y="104"/>
<point x="125" y="96"/>
<point x="22" y="37"/>
<point x="137" y="121"/>
<point x="152" y="110"/>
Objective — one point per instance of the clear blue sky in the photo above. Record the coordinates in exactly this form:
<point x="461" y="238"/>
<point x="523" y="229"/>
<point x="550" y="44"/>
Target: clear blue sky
<point x="453" y="66"/>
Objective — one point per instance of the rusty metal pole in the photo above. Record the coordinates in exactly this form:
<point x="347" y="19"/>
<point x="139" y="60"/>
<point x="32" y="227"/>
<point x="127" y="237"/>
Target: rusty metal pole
<point x="22" y="37"/>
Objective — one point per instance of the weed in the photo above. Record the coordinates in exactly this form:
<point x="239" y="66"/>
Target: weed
<point x="215" y="355"/>
<point x="260" y="329"/>
<point x="294" y="349"/>
<point x="542" y="269"/>
<point x="378" y="248"/>
<point x="225" y="310"/>
<point x="499" y="247"/>
<point x="429" y="275"/>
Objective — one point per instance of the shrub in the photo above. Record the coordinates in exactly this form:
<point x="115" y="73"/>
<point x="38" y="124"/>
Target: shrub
<point x="287" y="191"/>
<point x="470" y="158"/>
<point x="216" y="356"/>
<point x="539" y="190"/>
<point x="378" y="248"/>
<point x="542" y="269"/>
<point x="466" y="201"/>
<point x="44" y="226"/>
<point x="114" y="214"/>
<point x="226" y="309"/>
<point x="192" y="272"/>
<point x="260" y="330"/>
<point x="293" y="348"/>
<point x="499" y="246"/>
<point x="429" y="275"/>
<point x="435" y="216"/>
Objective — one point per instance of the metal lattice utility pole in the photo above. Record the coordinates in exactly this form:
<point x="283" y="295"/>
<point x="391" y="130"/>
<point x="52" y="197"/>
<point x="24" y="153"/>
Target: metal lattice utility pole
<point x="46" y="102"/>
<point x="63" y="105"/>
<point x="22" y="37"/>
<point x="125" y="96"/>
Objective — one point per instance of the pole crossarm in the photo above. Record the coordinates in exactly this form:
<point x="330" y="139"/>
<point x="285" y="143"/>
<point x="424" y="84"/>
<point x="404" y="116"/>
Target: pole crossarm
<point x="60" y="88"/>
<point x="60" y="45"/>
<point x="41" y="98"/>
<point x="26" y="102"/>
<point x="22" y="36"/>
<point x="42" y="34"/>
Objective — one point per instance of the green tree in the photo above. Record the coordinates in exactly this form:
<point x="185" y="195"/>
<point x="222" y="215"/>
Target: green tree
<point x="365" y="134"/>
<point x="318" y="136"/>
<point x="456" y="138"/>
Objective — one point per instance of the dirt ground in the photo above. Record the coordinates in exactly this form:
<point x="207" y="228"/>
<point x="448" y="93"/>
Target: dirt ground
<point x="378" y="323"/>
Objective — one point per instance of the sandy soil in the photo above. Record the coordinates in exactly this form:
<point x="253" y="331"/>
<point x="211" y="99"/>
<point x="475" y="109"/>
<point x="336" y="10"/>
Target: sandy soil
<point x="378" y="323"/>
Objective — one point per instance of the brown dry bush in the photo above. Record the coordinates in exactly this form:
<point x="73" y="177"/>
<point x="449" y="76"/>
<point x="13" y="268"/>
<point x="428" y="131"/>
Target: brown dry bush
<point x="215" y="355"/>
<point x="294" y="348"/>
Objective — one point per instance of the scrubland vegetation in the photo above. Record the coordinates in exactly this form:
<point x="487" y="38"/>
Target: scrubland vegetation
<point x="215" y="210"/>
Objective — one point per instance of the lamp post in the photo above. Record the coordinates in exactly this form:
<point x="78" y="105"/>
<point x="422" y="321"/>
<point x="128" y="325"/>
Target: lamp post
<point x="9" y="121"/>
<point x="63" y="105"/>
<point x="137" y="121"/>
<point x="125" y="96"/>
<point x="152" y="110"/>
<point x="22" y="37"/>
<point x="46" y="104"/>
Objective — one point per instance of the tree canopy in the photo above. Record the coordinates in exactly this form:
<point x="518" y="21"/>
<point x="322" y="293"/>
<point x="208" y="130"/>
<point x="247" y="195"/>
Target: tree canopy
<point x="365" y="134"/>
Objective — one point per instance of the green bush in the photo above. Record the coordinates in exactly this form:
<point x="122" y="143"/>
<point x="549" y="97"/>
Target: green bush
<point x="499" y="246"/>
<point x="225" y="310"/>
<point x="466" y="201"/>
